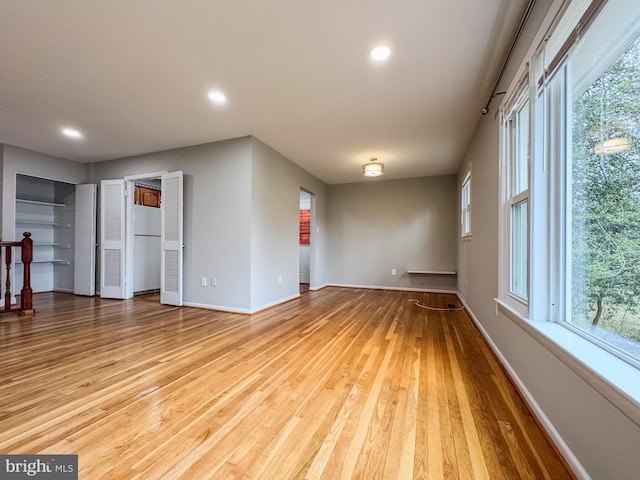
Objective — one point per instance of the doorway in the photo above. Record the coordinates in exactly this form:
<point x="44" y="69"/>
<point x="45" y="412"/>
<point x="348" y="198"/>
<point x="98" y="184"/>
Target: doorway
<point x="118" y="239"/>
<point x="146" y="236"/>
<point x="305" y="240"/>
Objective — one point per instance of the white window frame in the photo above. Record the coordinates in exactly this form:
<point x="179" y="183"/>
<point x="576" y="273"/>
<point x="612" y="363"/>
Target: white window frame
<point x="511" y="194"/>
<point x="465" y="205"/>
<point x="613" y="376"/>
<point x="560" y="150"/>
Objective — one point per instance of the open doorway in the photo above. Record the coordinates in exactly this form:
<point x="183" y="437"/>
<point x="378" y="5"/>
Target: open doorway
<point x="305" y="241"/>
<point x="146" y="221"/>
<point x="117" y="254"/>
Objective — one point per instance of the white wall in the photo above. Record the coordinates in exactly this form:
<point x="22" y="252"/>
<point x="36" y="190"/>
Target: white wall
<point x="146" y="248"/>
<point x="275" y="223"/>
<point x="403" y="224"/>
<point x="600" y="440"/>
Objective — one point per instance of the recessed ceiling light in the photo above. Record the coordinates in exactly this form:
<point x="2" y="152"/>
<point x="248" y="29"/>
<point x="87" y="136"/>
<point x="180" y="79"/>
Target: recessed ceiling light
<point x="380" y="53"/>
<point x="217" y="97"/>
<point x="72" y="133"/>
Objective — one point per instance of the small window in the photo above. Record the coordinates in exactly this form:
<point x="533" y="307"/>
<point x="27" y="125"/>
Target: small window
<point x="465" y="205"/>
<point x="516" y="199"/>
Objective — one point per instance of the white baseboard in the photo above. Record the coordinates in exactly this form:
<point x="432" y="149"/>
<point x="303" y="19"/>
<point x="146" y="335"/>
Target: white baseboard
<point x="542" y="418"/>
<point x="320" y="287"/>
<point x="402" y="289"/>
<point x="277" y="302"/>
<point x="63" y="290"/>
<point x="245" y="311"/>
<point x="217" y="307"/>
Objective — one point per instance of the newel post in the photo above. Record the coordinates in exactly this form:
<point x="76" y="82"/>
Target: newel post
<point x="26" y="295"/>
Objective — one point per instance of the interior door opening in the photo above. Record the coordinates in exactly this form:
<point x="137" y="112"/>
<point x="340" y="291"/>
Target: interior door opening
<point x="305" y="241"/>
<point x="142" y="237"/>
<point x="146" y="224"/>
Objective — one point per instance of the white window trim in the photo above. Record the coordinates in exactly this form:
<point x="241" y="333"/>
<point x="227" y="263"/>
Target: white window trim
<point x="465" y="210"/>
<point x="560" y="148"/>
<point x="615" y="379"/>
<point x="516" y="96"/>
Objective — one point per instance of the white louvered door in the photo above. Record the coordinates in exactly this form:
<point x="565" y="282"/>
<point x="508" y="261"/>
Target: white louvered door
<point x="171" y="239"/>
<point x="84" y="270"/>
<point x="112" y="238"/>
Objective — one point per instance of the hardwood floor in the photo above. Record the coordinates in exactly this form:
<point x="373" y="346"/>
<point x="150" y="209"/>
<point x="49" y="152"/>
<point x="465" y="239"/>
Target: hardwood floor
<point x="341" y="383"/>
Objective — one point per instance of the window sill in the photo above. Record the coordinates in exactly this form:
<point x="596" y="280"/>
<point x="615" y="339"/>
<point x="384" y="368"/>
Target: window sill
<point x="612" y="377"/>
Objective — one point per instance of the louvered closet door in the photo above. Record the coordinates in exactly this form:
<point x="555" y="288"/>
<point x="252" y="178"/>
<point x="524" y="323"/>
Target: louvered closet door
<point x="112" y="238"/>
<point x="84" y="270"/>
<point x="171" y="240"/>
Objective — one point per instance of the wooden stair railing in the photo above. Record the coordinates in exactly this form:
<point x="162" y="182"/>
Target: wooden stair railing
<point x="26" y="294"/>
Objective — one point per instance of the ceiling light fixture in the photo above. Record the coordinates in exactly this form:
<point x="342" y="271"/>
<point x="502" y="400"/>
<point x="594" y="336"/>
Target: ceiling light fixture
<point x="217" y="97"/>
<point x="72" y="133"/>
<point x="373" y="169"/>
<point x="380" y="53"/>
<point x="613" y="145"/>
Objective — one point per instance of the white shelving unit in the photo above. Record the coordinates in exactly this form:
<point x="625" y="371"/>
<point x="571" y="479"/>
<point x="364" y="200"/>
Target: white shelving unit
<point x="46" y="209"/>
<point x="431" y="272"/>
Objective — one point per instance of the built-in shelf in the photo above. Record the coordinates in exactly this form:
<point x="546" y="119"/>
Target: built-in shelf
<point x="46" y="208"/>
<point x="37" y="222"/>
<point x="37" y="202"/>
<point x="432" y="272"/>
<point x="56" y="261"/>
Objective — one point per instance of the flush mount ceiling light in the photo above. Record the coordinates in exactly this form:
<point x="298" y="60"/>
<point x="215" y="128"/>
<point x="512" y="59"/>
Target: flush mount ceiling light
<point x="217" y="97"/>
<point x="380" y="53"/>
<point x="72" y="133"/>
<point x="613" y="145"/>
<point x="372" y="169"/>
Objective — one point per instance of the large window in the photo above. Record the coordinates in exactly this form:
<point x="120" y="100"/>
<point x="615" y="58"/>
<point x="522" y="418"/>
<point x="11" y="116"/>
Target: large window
<point x="602" y="190"/>
<point x="571" y="196"/>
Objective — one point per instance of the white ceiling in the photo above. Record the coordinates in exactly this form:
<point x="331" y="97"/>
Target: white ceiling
<point x="133" y="75"/>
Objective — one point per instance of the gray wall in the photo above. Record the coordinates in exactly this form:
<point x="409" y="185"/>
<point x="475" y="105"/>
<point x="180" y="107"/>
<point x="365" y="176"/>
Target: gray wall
<point x="240" y="220"/>
<point x="20" y="160"/>
<point x="217" y="215"/>
<point x="28" y="162"/>
<point x="603" y="440"/>
<point x="275" y="224"/>
<point x="403" y="224"/>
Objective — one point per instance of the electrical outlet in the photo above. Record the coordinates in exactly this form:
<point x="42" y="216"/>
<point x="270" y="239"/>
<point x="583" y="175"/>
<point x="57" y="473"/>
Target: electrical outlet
<point x="203" y="281"/>
<point x="214" y="282"/>
<point x="279" y="278"/>
<point x="393" y="271"/>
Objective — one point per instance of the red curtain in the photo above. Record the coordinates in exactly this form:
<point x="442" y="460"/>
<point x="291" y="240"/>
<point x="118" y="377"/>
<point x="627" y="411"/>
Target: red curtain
<point x="305" y="227"/>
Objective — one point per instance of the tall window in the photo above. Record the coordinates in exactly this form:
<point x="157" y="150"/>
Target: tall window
<point x="516" y="201"/>
<point x="602" y="189"/>
<point x="570" y="178"/>
<point x="465" y="205"/>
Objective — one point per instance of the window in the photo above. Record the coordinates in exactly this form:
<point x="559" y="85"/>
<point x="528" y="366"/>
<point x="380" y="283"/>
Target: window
<point x="515" y="203"/>
<point x="465" y="205"/>
<point x="570" y="216"/>
<point x="602" y="186"/>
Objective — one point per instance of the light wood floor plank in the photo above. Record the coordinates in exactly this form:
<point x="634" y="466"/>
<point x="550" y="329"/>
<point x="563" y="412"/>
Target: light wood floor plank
<point x="338" y="384"/>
